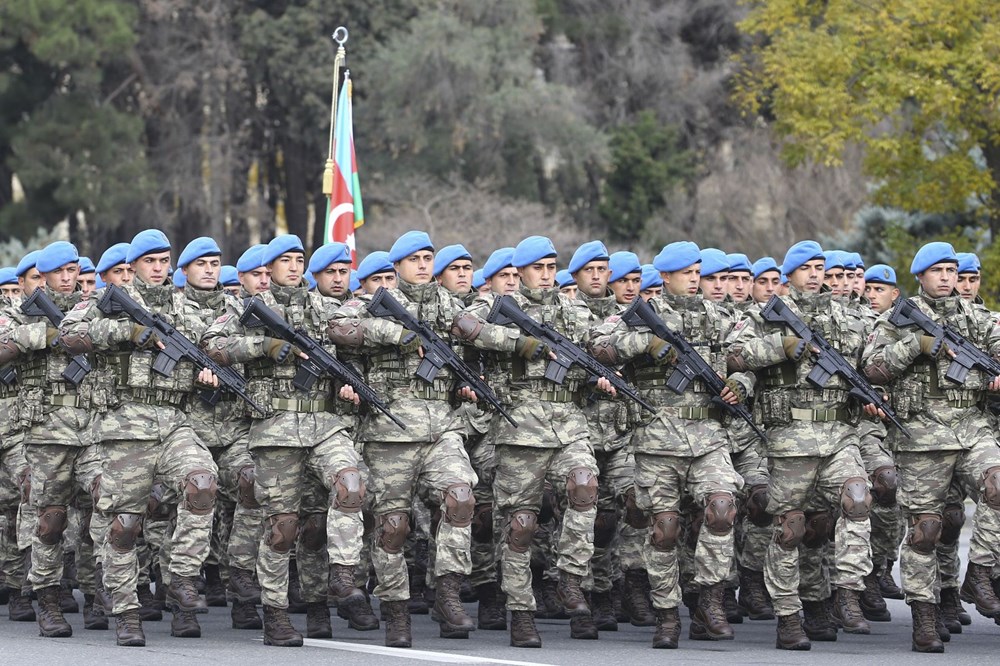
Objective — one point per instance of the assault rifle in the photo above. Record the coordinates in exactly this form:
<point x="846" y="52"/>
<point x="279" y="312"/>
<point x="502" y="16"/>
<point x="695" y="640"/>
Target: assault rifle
<point x="690" y="364"/>
<point x="40" y="305"/>
<point x="505" y="311"/>
<point x="829" y="361"/>
<point x="319" y="362"/>
<point x="176" y="347"/>
<point x="437" y="352"/>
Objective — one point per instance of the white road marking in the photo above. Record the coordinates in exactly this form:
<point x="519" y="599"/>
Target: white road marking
<point x="425" y="655"/>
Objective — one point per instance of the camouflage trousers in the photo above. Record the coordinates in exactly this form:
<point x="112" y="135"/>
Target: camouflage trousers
<point x="886" y="520"/>
<point x="237" y="527"/>
<point x="13" y="469"/>
<point x="662" y="482"/>
<point x="751" y="540"/>
<point x="482" y="456"/>
<point x="616" y="544"/>
<point x="809" y="484"/>
<point x="949" y="560"/>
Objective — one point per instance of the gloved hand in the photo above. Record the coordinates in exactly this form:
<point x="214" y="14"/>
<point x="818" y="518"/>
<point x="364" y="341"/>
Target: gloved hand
<point x="933" y="347"/>
<point x="408" y="341"/>
<point x="51" y="335"/>
<point x="277" y="349"/>
<point x="738" y="389"/>
<point x="143" y="337"/>
<point x="530" y="348"/>
<point x="663" y="352"/>
<point x="794" y="347"/>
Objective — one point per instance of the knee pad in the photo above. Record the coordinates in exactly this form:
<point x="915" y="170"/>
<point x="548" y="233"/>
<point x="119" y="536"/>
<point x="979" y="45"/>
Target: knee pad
<point x="604" y="528"/>
<point x="523" y="524"/>
<point x="155" y="508"/>
<point x="792" y="529"/>
<point x="581" y="489"/>
<point x="925" y="530"/>
<point x="991" y="488"/>
<point x="282" y="530"/>
<point x="855" y="500"/>
<point x="885" y="482"/>
<point x="757" y="506"/>
<point x="634" y="516"/>
<point x="200" y="487"/>
<point x="952" y="520"/>
<point x="666" y="530"/>
<point x="348" y="490"/>
<point x="818" y="526"/>
<point x="482" y="524"/>
<point x="52" y="523"/>
<point x="124" y="531"/>
<point x="244" y="488"/>
<point x="459" y="505"/>
<point x="392" y="531"/>
<point x="313" y="534"/>
<point x="720" y="513"/>
<point x="85" y="518"/>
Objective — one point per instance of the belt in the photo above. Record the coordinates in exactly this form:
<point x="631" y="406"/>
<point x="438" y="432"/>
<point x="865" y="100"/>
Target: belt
<point x="561" y="395"/>
<point x="167" y="399"/>
<point x="693" y="413"/>
<point x="66" y="400"/>
<point x="819" y="415"/>
<point x="302" y="405"/>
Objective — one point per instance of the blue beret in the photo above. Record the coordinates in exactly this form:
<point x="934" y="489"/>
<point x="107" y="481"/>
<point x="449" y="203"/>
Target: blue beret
<point x="114" y="255"/>
<point x="677" y="256"/>
<point x="623" y="263"/>
<point x="179" y="279"/>
<point x="228" y="276"/>
<point x="27" y="262"/>
<point x="279" y="246"/>
<point x="447" y="255"/>
<point x="590" y="251"/>
<point x="331" y="253"/>
<point x="55" y="255"/>
<point x="99" y="283"/>
<point x="8" y="275"/>
<point x="198" y="248"/>
<point x="531" y="249"/>
<point x="650" y="277"/>
<point x="252" y="259"/>
<point x="834" y="259"/>
<point x="355" y="282"/>
<point x="763" y="265"/>
<point x="739" y="262"/>
<point x="855" y="258"/>
<point x="376" y="262"/>
<point x="968" y="263"/>
<point x="713" y="261"/>
<point x="408" y="243"/>
<point x="784" y="279"/>
<point x="477" y="279"/>
<point x="881" y="273"/>
<point x="311" y="281"/>
<point x="499" y="260"/>
<point x="564" y="279"/>
<point x="933" y="253"/>
<point x="800" y="253"/>
<point x="147" y="242"/>
<point x="86" y="266"/>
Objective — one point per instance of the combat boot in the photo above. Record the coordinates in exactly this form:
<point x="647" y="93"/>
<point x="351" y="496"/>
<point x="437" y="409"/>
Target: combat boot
<point x="817" y="622"/>
<point x="184" y="624"/>
<point x="352" y="602"/>
<point x="604" y="611"/>
<point x="733" y="613"/>
<point x="416" y="572"/>
<point x="215" y="591"/>
<point x="182" y="595"/>
<point x="886" y="583"/>
<point x="296" y="605"/>
<point x="872" y="604"/>
<point x="278" y="629"/>
<point x="583" y="628"/>
<point x="448" y="609"/>
<point x="360" y="615"/>
<point x="847" y="612"/>
<point x="397" y="624"/>
<point x="571" y="595"/>
<point x="93" y="614"/>
<point x="67" y="602"/>
<point x="491" y="614"/>
<point x="148" y="606"/>
<point x="636" y="599"/>
<point x="128" y="629"/>
<point x="939" y="626"/>
<point x="159" y="598"/>
<point x="51" y="623"/>
<point x="523" y="633"/>
<point x="925" y="636"/>
<point x="949" y="606"/>
<point x="244" y="615"/>
<point x="243" y="585"/>
<point x="978" y="589"/>
<point x="617" y="592"/>
<point x="668" y="629"/>
<point x="547" y="600"/>
<point x="791" y="636"/>
<point x="753" y="595"/>
<point x="318" y="620"/>
<point x="19" y="608"/>
<point x="709" y="622"/>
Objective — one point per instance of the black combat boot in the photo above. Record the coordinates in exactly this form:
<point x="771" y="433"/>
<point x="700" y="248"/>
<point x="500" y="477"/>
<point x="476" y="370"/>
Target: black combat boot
<point x="604" y="611"/>
<point x="19" y="608"/>
<point x="278" y="629"/>
<point x="128" y="629"/>
<point x="523" y="633"/>
<point x="492" y="613"/>
<point x="872" y="604"/>
<point x="318" y="620"/>
<point x="184" y="624"/>
<point x="791" y="636"/>
<point x="244" y="615"/>
<point x="950" y="605"/>
<point x="668" y="629"/>
<point x="93" y="614"/>
<point x="753" y="595"/>
<point x="397" y="624"/>
<point x="817" y="622"/>
<point x="51" y="623"/>
<point x="636" y="599"/>
<point x="925" y="636"/>
<point x="215" y="591"/>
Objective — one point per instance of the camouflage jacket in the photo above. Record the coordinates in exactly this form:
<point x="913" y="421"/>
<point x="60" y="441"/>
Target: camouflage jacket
<point x="610" y="418"/>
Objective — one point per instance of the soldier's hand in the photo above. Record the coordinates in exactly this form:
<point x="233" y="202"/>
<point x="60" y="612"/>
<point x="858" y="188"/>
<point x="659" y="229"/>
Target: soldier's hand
<point x="663" y="352"/>
<point x="408" y="342"/>
<point x="466" y="393"/>
<point x="604" y="384"/>
<point x="530" y="348"/>
<point x="794" y="347"/>
<point x="347" y="394"/>
<point x="277" y="349"/>
<point x="871" y="410"/>
<point x="51" y="336"/>
<point x="208" y="378"/>
<point x="933" y="347"/>
<point x="995" y="384"/>
<point x="145" y="338"/>
<point x="733" y="393"/>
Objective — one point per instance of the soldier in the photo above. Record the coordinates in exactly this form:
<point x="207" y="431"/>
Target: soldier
<point x="812" y="451"/>
<point x="453" y="270"/>
<point x="376" y="271"/>
<point x="87" y="278"/>
<point x="8" y="284"/>
<point x="859" y="275"/>
<point x="229" y="278"/>
<point x="479" y="283"/>
<point x="566" y="283"/>
<point x="835" y="276"/>
<point x="880" y="287"/>
<point x="714" y="281"/>
<point x="28" y="277"/>
<point x="500" y="275"/>
<point x="766" y="280"/>
<point x="740" y="279"/>
<point x="112" y="267"/>
<point x="652" y="283"/>
<point x="969" y="278"/>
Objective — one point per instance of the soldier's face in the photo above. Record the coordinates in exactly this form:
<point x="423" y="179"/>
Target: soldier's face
<point x="859" y="283"/>
<point x="484" y="289"/>
<point x="118" y="275"/>
<point x="11" y="292"/>
<point x="939" y="280"/>
<point x="152" y="268"/>
<point x="203" y="273"/>
<point x="968" y="285"/>
<point x="881" y="296"/>
<point x="232" y="290"/>
<point x="592" y="279"/>
<point x="627" y="287"/>
<point x="713" y="287"/>
<point x="683" y="282"/>
<point x="539" y="275"/>
<point x="287" y="270"/>
<point x="652" y="292"/>
<point x="256" y="281"/>
<point x="569" y="291"/>
<point x="88" y="283"/>
<point x="418" y="268"/>
<point x="334" y="280"/>
<point x="30" y="281"/>
<point x="739" y="285"/>
<point x="372" y="283"/>
<point x="766" y="286"/>
<point x="504" y="281"/>
<point x="808" y="278"/>
<point x="457" y="277"/>
<point x="836" y="279"/>
<point x="63" y="279"/>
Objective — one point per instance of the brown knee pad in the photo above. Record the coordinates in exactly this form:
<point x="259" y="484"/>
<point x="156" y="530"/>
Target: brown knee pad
<point x="991" y="488"/>
<point x="925" y="530"/>
<point x="666" y="530"/>
<point x="282" y="530"/>
<point x="348" y="490"/>
<point x="793" y="529"/>
<point x="720" y="513"/>
<point x="200" y="487"/>
<point x="634" y="516"/>
<point x="52" y="523"/>
<point x="313" y="536"/>
<point x="604" y="528"/>
<point x="757" y="506"/>
<point x="885" y="483"/>
<point x="581" y="489"/>
<point x="855" y="500"/>
<point x="124" y="531"/>
<point x="482" y="524"/>
<point x="392" y="530"/>
<point x="244" y="488"/>
<point x="819" y="526"/>
<point x="523" y="524"/>
<point x="952" y="520"/>
<point x="459" y="505"/>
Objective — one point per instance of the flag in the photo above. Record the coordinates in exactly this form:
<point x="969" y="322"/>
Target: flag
<point x="344" y="212"/>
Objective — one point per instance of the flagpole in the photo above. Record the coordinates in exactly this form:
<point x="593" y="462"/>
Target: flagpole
<point x="339" y="36"/>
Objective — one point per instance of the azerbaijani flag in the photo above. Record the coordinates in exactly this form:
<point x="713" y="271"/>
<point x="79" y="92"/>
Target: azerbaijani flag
<point x="344" y="212"/>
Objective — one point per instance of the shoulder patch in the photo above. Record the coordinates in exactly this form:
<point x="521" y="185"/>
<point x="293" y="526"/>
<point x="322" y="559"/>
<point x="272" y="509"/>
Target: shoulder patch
<point x="871" y="338"/>
<point x="82" y="305"/>
<point x="354" y="302"/>
<point x="223" y="319"/>
<point x="741" y="324"/>
<point x="4" y="321"/>
<point x="613" y="318"/>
